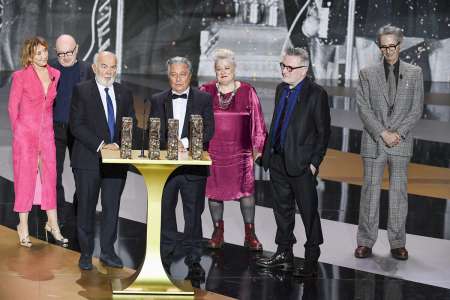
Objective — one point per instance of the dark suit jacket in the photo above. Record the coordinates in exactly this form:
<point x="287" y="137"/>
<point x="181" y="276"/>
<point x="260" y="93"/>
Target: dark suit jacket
<point x="308" y="130"/>
<point x="89" y="125"/>
<point x="86" y="72"/>
<point x="199" y="103"/>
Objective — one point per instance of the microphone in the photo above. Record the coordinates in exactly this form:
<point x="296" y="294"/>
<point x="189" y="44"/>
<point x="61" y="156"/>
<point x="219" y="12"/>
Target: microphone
<point x="144" y="126"/>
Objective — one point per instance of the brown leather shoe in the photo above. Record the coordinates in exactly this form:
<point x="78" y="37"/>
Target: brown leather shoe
<point x="363" y="252"/>
<point x="400" y="253"/>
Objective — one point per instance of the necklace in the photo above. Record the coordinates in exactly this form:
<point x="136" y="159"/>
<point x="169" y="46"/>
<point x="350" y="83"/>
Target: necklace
<point x="224" y="102"/>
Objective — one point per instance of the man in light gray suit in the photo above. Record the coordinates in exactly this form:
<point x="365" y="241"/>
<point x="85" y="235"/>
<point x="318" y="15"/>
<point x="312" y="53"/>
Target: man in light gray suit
<point x="390" y="102"/>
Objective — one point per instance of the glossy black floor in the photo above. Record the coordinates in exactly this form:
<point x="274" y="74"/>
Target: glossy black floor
<point x="232" y="272"/>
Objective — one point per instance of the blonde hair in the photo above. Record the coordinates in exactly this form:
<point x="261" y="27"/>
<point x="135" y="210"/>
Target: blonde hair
<point x="223" y="53"/>
<point x="29" y="49"/>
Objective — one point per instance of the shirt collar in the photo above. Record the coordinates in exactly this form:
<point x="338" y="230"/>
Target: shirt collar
<point x="396" y="65"/>
<point x="184" y="92"/>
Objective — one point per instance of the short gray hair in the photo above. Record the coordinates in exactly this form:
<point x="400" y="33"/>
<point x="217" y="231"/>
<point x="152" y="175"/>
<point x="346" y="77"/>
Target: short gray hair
<point x="390" y="30"/>
<point x="299" y="52"/>
<point x="95" y="59"/>
<point x="224" y="54"/>
<point x="179" y="60"/>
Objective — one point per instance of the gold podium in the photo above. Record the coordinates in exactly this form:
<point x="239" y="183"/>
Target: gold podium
<point x="151" y="278"/>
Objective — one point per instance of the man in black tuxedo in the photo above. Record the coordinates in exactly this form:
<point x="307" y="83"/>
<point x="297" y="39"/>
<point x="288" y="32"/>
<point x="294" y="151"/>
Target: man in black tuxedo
<point x="180" y="102"/>
<point x="97" y="108"/>
<point x="72" y="71"/>
<point x="296" y="146"/>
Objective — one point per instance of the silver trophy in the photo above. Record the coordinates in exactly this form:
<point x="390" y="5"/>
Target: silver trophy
<point x="196" y="137"/>
<point x="154" y="138"/>
<point x="127" y="138"/>
<point x="172" y="139"/>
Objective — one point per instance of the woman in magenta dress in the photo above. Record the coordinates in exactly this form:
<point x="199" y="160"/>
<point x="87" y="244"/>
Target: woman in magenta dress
<point x="238" y="140"/>
<point x="30" y="108"/>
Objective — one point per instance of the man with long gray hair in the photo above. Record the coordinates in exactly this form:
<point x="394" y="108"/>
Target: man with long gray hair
<point x="390" y="102"/>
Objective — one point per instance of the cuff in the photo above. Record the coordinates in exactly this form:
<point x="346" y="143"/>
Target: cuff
<point x="100" y="146"/>
<point x="185" y="142"/>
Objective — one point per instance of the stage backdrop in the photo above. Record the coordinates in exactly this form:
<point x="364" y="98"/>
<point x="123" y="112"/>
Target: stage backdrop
<point x="339" y="34"/>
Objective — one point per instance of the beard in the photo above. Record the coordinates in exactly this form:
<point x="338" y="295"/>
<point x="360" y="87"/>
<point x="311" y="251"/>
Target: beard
<point x="105" y="82"/>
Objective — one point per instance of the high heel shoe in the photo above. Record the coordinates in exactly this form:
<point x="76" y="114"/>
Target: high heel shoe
<point x="24" y="240"/>
<point x="57" y="236"/>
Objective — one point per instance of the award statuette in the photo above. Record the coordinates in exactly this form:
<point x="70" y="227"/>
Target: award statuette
<point x="172" y="139"/>
<point x="196" y="137"/>
<point x="127" y="138"/>
<point x="154" y="138"/>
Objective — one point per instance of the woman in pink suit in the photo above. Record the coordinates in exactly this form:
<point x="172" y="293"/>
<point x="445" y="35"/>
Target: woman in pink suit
<point x="30" y="108"/>
<point x="238" y="140"/>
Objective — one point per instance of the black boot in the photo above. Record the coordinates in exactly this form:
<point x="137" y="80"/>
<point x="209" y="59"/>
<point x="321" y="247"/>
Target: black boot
<point x="282" y="259"/>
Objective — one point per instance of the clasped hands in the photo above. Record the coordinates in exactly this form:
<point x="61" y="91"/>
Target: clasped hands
<point x="390" y="138"/>
<point x="112" y="146"/>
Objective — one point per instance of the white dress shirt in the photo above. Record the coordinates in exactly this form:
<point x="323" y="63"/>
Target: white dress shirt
<point x="101" y="89"/>
<point x="179" y="112"/>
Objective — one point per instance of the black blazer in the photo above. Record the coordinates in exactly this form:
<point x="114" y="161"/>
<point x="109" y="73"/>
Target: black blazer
<point x="86" y="72"/>
<point x="198" y="103"/>
<point x="88" y="122"/>
<point x="308" y="130"/>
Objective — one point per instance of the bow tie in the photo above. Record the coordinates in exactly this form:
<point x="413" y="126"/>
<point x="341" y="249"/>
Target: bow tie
<point x="175" y="96"/>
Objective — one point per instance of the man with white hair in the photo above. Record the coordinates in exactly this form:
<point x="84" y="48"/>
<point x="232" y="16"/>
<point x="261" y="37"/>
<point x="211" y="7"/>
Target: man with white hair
<point x="72" y="72"/>
<point x="98" y="106"/>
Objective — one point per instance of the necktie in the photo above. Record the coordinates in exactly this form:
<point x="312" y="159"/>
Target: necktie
<point x="277" y="140"/>
<point x="392" y="86"/>
<point x="111" y="119"/>
<point x="175" y="96"/>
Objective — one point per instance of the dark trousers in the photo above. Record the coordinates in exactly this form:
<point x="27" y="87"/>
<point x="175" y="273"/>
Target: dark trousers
<point x="88" y="184"/>
<point x="287" y="191"/>
<point x="63" y="141"/>
<point x="193" y="200"/>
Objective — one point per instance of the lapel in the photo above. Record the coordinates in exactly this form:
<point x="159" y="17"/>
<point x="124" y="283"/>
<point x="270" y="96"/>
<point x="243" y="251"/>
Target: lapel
<point x="97" y="103"/>
<point x="401" y="82"/>
<point x="189" y="106"/>
<point x="381" y="77"/>
<point x="119" y="113"/>
<point x="302" y="101"/>
<point x="168" y="108"/>
<point x="117" y="93"/>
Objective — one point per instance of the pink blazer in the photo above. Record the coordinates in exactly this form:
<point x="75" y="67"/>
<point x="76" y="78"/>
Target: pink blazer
<point x="31" y="116"/>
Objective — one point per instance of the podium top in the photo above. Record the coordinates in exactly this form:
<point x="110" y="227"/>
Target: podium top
<point x="113" y="157"/>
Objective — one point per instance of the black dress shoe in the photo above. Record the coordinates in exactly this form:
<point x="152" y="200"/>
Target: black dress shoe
<point x="281" y="259"/>
<point x="309" y="269"/>
<point x="85" y="262"/>
<point x="111" y="260"/>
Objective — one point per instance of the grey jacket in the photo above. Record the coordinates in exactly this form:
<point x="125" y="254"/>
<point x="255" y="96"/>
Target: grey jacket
<point x="373" y="104"/>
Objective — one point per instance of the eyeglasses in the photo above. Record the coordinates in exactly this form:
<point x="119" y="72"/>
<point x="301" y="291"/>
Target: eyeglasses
<point x="389" y="47"/>
<point x="68" y="53"/>
<point x="290" y="68"/>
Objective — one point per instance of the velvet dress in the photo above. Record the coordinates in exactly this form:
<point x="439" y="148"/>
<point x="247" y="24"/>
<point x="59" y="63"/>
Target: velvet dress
<point x="31" y="116"/>
<point x="239" y="129"/>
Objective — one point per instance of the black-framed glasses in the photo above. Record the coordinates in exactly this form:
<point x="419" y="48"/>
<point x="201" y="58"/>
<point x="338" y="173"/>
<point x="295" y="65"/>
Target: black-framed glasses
<point x="290" y="68"/>
<point x="68" y="53"/>
<point x="389" y="47"/>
